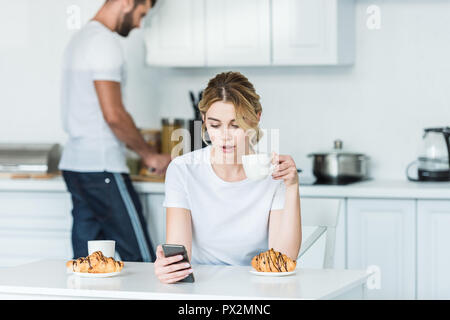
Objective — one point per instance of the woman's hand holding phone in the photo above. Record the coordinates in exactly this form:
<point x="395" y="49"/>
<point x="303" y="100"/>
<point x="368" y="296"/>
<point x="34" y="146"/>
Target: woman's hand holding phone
<point x="167" y="270"/>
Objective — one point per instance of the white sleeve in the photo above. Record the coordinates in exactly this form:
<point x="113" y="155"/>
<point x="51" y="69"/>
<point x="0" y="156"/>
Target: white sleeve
<point x="105" y="58"/>
<point x="278" y="198"/>
<point x="175" y="186"/>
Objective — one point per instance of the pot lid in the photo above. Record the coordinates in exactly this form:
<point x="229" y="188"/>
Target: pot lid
<point x="337" y="150"/>
<point x="439" y="129"/>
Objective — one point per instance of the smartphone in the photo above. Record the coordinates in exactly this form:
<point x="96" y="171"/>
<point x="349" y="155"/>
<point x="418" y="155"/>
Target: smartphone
<point x="174" y="250"/>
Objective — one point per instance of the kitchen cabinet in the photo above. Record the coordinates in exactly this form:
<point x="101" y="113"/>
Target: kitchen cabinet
<point x="33" y="226"/>
<point x="238" y="32"/>
<point x="251" y="33"/>
<point x="38" y="225"/>
<point x="433" y="238"/>
<point x="313" y="32"/>
<point x="155" y="215"/>
<point x="175" y="34"/>
<point x="381" y="236"/>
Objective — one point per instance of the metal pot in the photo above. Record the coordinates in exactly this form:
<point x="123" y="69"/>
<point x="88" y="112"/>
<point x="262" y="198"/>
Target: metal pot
<point x="338" y="166"/>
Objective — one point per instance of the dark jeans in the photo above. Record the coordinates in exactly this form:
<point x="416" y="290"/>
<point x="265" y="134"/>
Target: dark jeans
<point x="106" y="207"/>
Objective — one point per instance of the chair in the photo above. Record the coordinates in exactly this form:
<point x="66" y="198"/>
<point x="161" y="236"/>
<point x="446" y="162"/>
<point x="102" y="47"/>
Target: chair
<point x="323" y="214"/>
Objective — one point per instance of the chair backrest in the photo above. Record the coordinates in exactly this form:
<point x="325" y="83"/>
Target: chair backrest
<point x="322" y="214"/>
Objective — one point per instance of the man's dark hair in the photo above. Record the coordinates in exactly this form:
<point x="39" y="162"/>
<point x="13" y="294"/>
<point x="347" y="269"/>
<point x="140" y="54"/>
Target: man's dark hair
<point x="138" y="2"/>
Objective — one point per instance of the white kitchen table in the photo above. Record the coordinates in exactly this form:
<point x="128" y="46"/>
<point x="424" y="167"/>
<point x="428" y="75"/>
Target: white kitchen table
<point x="48" y="279"/>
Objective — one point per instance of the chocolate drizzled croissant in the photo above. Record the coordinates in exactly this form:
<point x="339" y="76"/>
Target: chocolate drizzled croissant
<point x="273" y="261"/>
<point x="95" y="263"/>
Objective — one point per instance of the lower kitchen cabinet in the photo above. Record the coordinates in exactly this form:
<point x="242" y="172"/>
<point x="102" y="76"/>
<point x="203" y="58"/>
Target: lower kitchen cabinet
<point x="34" y="226"/>
<point x="433" y="239"/>
<point x="381" y="236"/>
<point x="38" y="225"/>
<point x="155" y="215"/>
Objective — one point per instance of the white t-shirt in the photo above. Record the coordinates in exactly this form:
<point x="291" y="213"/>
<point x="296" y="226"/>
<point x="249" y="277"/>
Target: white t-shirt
<point x="230" y="220"/>
<point x="94" y="53"/>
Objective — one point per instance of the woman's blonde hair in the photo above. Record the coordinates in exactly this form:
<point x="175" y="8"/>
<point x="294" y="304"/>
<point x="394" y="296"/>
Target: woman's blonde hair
<point x="233" y="87"/>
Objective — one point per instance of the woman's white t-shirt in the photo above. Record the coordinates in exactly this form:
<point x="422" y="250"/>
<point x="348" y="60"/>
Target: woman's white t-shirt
<point x="230" y="220"/>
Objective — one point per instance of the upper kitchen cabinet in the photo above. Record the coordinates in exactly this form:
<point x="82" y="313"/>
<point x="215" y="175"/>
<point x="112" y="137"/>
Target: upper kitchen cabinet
<point x="238" y="32"/>
<point x="313" y="32"/>
<point x="175" y="35"/>
<point x="251" y="33"/>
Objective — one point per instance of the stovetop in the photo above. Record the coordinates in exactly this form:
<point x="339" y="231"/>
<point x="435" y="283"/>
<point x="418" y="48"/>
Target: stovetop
<point x="306" y="182"/>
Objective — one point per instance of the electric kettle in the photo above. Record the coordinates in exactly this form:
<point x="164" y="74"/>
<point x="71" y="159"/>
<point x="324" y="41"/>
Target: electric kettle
<point x="433" y="163"/>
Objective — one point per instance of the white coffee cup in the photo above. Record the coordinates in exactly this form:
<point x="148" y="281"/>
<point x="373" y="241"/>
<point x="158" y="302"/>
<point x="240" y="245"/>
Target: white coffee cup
<point x="257" y="166"/>
<point x="107" y="247"/>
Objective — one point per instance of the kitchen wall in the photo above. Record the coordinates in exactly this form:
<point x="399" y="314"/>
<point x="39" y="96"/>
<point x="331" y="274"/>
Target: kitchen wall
<point x="398" y="85"/>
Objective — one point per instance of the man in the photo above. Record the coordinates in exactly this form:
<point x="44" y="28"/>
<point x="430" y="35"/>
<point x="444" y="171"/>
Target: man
<point x="105" y="204"/>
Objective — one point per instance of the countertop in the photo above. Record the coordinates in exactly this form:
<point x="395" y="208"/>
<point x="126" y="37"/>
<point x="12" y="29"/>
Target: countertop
<point x="57" y="185"/>
<point x="137" y="281"/>
<point x="387" y="189"/>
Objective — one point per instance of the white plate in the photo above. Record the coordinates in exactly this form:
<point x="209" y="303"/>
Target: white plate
<point x="273" y="274"/>
<point x="96" y="275"/>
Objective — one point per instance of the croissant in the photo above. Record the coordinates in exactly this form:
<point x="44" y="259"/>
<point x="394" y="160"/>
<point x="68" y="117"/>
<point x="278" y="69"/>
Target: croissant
<point x="273" y="261"/>
<point x="95" y="263"/>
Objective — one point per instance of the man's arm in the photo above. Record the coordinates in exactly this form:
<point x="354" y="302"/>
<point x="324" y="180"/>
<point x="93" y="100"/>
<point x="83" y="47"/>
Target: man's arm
<point x="121" y="123"/>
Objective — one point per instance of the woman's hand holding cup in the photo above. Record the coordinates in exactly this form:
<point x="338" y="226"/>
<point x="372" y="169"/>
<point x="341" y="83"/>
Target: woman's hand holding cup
<point x="285" y="168"/>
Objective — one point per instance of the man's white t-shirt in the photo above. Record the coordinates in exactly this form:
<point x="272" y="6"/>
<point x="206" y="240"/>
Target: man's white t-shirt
<point x="94" y="53"/>
<point x="230" y="220"/>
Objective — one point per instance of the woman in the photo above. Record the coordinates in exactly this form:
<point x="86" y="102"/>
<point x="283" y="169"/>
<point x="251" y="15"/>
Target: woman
<point x="219" y="215"/>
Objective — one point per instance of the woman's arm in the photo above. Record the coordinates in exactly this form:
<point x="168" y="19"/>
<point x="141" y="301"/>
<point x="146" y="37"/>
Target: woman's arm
<point x="178" y="231"/>
<point x="179" y="228"/>
<point x="285" y="228"/>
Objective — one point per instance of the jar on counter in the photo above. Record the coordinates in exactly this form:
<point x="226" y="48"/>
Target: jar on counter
<point x="169" y="126"/>
<point x="153" y="139"/>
